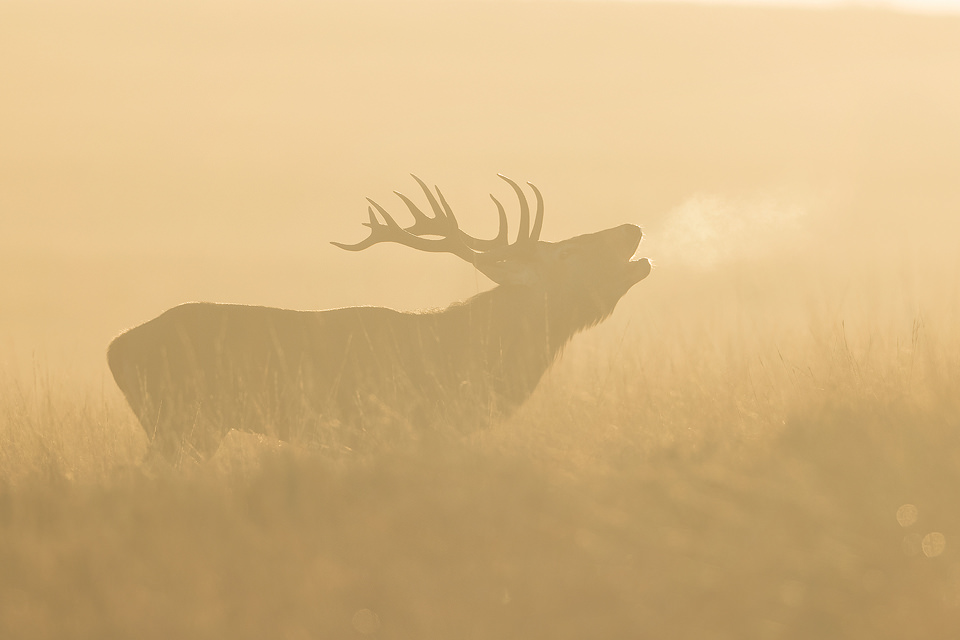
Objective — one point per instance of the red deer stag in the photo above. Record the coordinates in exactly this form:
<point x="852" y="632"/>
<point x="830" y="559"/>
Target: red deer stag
<point x="346" y="377"/>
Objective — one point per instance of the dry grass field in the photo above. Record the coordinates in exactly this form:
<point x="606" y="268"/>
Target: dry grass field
<point x="763" y="441"/>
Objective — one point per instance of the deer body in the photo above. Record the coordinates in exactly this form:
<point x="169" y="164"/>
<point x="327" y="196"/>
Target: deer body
<point x="350" y="376"/>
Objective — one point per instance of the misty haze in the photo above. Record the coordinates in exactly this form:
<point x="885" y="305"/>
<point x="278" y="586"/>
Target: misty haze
<point x="492" y="411"/>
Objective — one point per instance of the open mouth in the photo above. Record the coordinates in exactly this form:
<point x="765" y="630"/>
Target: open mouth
<point x="624" y="243"/>
<point x="638" y="267"/>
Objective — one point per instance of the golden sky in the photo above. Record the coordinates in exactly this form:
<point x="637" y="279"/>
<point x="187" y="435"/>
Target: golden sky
<point x="160" y="152"/>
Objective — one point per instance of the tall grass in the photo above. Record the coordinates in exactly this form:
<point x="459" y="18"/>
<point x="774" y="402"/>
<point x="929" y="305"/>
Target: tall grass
<point x="718" y="481"/>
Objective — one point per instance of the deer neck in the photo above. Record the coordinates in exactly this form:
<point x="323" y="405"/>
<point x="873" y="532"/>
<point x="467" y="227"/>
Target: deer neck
<point x="516" y="319"/>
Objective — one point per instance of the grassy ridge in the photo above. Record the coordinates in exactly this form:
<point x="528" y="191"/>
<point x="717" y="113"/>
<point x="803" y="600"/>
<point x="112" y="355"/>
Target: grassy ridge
<point x="745" y="493"/>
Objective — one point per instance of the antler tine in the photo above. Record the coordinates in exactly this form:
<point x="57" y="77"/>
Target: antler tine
<point x="442" y="223"/>
<point x="438" y="212"/>
<point x="501" y="241"/>
<point x="423" y="224"/>
<point x="376" y="227"/>
<point x="448" y="212"/>
<point x="480" y="244"/>
<point x="538" y="221"/>
<point x="387" y="218"/>
<point x="523" y="234"/>
<point x="445" y="222"/>
<point x="390" y="231"/>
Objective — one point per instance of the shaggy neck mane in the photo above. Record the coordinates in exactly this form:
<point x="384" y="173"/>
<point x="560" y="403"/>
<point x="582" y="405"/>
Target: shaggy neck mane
<point x="527" y="319"/>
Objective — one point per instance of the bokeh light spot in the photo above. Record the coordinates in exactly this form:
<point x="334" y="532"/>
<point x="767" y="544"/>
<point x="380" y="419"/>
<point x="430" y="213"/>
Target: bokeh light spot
<point x="933" y="544"/>
<point x="366" y="622"/>
<point x="907" y="515"/>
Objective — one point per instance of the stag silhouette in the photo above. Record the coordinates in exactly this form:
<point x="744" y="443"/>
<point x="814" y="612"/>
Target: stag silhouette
<point x="345" y="377"/>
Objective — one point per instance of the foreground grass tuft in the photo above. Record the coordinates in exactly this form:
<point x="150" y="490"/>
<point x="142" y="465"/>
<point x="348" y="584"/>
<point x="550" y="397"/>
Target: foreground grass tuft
<point x="734" y="498"/>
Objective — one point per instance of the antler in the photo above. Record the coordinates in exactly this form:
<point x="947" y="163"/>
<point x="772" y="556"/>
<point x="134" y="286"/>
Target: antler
<point x="524" y="235"/>
<point x="488" y="256"/>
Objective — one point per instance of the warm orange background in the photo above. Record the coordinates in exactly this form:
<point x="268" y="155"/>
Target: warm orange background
<point x="763" y="441"/>
<point x="157" y="152"/>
